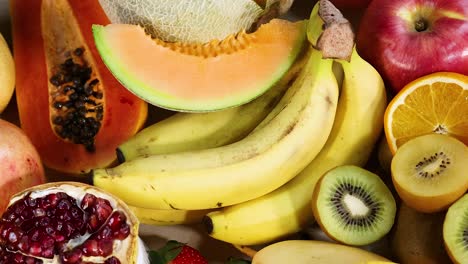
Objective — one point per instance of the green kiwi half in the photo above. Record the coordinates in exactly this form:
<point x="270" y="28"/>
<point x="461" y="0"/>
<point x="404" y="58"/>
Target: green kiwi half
<point x="353" y="205"/>
<point x="455" y="230"/>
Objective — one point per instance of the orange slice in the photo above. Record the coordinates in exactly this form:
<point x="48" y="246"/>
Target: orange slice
<point x="435" y="103"/>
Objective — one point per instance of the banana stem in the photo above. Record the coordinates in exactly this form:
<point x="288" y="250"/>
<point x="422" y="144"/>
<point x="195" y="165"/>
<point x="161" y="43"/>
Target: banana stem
<point x="330" y="32"/>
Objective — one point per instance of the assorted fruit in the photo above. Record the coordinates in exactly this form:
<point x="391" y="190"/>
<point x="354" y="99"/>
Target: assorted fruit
<point x="276" y="128"/>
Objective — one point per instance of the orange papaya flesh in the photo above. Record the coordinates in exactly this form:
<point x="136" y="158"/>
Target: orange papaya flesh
<point x="70" y="106"/>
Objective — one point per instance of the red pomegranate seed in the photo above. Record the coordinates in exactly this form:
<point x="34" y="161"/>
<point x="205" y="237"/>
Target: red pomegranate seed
<point x="88" y="201"/>
<point x="35" y="249"/>
<point x="90" y="248"/>
<point x="43" y="227"/>
<point x="71" y="257"/>
<point x="106" y="247"/>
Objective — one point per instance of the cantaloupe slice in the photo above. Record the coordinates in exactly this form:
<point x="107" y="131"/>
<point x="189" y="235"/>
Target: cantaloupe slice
<point x="196" y="78"/>
<point x="188" y="21"/>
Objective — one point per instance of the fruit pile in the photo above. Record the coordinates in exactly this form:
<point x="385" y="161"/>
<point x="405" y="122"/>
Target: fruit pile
<point x="289" y="140"/>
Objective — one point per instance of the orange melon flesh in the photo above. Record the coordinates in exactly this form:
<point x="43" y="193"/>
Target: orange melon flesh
<point x="197" y="78"/>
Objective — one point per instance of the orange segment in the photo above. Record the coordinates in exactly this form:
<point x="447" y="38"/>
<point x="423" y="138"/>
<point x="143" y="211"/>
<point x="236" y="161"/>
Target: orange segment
<point x="435" y="103"/>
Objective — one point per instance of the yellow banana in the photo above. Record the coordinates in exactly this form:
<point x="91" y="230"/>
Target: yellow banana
<point x="358" y="124"/>
<point x="167" y="217"/>
<point x="195" y="131"/>
<point x="310" y="251"/>
<point x="266" y="158"/>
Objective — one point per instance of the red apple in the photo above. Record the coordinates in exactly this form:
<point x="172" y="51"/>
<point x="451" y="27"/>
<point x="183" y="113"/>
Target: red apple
<point x="20" y="165"/>
<point x="407" y="39"/>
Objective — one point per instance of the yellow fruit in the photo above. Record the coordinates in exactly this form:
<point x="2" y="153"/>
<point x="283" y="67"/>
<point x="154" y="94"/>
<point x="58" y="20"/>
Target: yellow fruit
<point x="311" y="251"/>
<point x="435" y="103"/>
<point x="7" y="74"/>
<point x="429" y="172"/>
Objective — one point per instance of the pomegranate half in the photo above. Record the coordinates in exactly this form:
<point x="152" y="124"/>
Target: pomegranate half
<point x="69" y="222"/>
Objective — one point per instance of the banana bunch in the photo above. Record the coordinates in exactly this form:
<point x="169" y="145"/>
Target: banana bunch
<point x="260" y="178"/>
<point x="357" y="127"/>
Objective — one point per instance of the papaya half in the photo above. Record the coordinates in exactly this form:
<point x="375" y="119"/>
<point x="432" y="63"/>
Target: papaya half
<point x="70" y="106"/>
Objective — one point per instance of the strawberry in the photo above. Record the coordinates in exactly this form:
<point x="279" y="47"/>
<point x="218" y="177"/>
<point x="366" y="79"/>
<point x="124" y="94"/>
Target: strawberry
<point x="176" y="253"/>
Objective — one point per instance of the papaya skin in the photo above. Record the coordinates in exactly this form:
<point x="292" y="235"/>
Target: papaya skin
<point x="124" y="113"/>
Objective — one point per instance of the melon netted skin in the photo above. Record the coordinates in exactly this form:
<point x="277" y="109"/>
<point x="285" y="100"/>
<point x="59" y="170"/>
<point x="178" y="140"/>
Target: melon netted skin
<point x="188" y="21"/>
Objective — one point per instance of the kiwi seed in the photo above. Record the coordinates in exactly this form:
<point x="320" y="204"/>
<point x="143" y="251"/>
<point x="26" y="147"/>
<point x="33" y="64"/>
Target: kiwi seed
<point x="429" y="167"/>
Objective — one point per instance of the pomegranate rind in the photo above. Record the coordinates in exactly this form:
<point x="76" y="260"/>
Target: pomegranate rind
<point x="19" y="161"/>
<point x="73" y="189"/>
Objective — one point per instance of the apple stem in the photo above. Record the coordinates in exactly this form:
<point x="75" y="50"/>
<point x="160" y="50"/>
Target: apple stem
<point x="421" y="25"/>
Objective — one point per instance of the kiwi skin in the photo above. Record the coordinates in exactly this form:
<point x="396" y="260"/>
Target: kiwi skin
<point x="417" y="237"/>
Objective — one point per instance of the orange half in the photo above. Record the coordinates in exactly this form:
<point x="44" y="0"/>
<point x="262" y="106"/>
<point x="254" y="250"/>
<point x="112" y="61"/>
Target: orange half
<point x="435" y="103"/>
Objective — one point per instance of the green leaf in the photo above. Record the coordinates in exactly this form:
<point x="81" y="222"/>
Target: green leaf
<point x="167" y="253"/>
<point x="171" y="250"/>
<point x="155" y="258"/>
